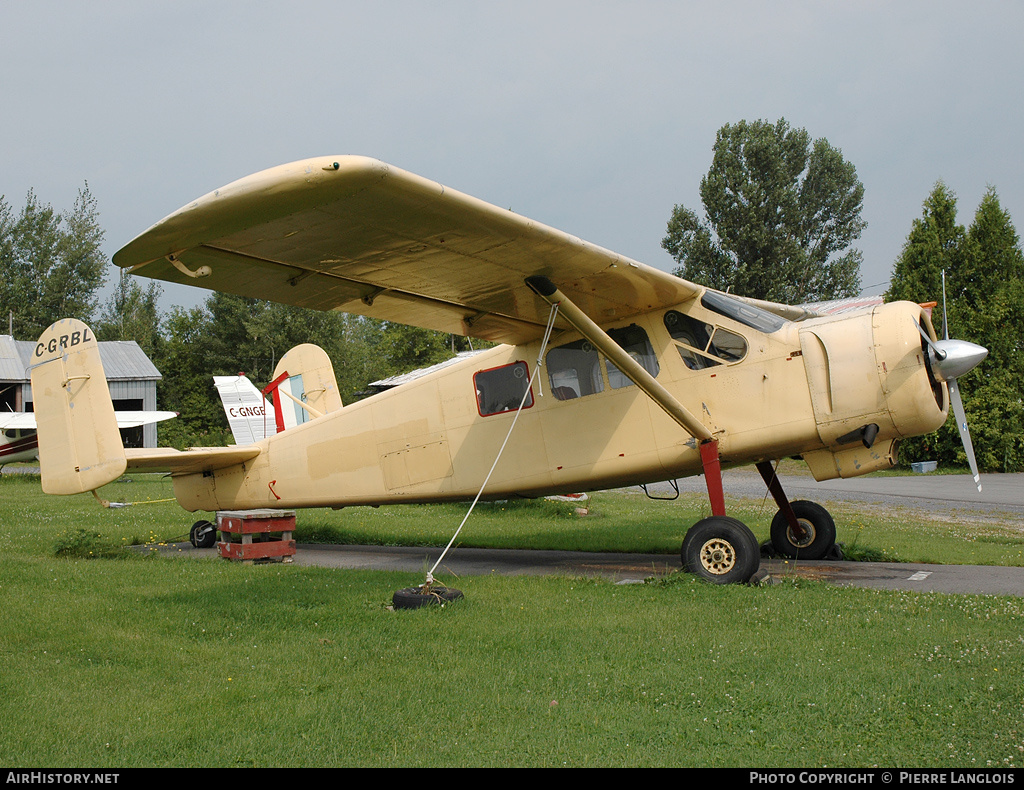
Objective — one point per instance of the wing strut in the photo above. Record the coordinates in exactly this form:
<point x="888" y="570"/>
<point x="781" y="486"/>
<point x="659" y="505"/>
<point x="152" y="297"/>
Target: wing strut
<point x="600" y="339"/>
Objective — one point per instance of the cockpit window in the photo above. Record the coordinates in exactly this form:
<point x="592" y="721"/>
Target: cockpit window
<point x="754" y="317"/>
<point x="702" y="345"/>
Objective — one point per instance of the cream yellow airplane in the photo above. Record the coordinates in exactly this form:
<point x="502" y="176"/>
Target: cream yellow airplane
<point x="613" y="373"/>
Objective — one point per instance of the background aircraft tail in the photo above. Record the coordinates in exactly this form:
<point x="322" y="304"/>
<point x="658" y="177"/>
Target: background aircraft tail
<point x="80" y="446"/>
<point x="250" y="415"/>
<point x="303" y="387"/>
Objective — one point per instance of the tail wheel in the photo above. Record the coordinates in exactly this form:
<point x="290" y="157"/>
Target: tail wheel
<point x="819" y="532"/>
<point x="721" y="550"/>
<point x="203" y="535"/>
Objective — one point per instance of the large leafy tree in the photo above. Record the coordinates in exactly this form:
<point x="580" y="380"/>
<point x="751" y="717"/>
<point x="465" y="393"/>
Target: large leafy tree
<point x="984" y="269"/>
<point x="52" y="263"/>
<point x="781" y="215"/>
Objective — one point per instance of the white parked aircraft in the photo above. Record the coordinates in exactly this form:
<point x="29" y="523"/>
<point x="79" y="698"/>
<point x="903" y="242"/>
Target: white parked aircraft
<point x="18" y="441"/>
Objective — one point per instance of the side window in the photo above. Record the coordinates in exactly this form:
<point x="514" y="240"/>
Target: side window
<point x="501" y="389"/>
<point x="634" y="342"/>
<point x="574" y="370"/>
<point x="702" y="345"/>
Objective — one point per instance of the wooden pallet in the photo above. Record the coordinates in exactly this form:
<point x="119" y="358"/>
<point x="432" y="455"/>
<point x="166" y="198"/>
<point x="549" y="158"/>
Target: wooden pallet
<point x="256" y="535"/>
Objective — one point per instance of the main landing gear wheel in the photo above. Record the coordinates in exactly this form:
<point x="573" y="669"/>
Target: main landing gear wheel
<point x="203" y="535"/>
<point x="819" y="528"/>
<point x="721" y="550"/>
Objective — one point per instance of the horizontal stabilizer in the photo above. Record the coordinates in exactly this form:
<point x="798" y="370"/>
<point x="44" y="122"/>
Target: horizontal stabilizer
<point x="191" y="461"/>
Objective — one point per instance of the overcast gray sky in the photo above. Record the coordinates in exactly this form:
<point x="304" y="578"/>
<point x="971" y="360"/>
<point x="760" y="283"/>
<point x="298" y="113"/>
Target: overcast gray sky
<point x="593" y="117"/>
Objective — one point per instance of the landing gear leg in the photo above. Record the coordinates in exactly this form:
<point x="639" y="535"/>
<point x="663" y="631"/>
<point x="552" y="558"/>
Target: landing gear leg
<point x="800" y="529"/>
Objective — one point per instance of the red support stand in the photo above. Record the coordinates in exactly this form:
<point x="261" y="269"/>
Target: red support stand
<point x="271" y="529"/>
<point x="713" y="476"/>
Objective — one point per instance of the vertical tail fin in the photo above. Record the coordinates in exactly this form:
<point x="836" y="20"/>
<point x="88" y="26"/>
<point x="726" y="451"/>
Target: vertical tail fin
<point x="304" y="386"/>
<point x="250" y="415"/>
<point x="80" y="447"/>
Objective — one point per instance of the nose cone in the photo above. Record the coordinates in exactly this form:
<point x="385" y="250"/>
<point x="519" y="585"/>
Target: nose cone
<point x="950" y="359"/>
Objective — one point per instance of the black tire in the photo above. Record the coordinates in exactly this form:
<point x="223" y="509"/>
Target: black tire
<point x="203" y="535"/>
<point x="415" y="597"/>
<point x="821" y="532"/>
<point x="721" y="550"/>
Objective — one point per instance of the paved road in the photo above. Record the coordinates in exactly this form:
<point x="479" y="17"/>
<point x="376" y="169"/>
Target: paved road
<point x="999" y="494"/>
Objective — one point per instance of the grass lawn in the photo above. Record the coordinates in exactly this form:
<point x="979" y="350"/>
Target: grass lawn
<point x="121" y="659"/>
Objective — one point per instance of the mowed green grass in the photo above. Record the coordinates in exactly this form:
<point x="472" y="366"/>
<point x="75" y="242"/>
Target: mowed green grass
<point x="141" y="659"/>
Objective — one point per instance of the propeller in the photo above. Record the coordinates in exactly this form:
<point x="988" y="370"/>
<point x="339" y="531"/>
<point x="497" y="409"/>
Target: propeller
<point x="950" y="359"/>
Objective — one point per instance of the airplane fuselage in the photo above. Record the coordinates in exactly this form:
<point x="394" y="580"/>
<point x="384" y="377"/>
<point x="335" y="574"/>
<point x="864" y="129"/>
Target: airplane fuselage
<point x="18" y="445"/>
<point x="763" y="387"/>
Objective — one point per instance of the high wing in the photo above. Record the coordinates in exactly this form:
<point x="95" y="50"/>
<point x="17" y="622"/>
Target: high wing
<point x="26" y="420"/>
<point x="361" y="236"/>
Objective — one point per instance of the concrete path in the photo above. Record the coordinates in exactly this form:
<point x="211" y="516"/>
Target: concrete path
<point x="627" y="568"/>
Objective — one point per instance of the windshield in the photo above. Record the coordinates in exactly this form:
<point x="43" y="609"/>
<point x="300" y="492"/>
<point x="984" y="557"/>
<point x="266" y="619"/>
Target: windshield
<point x="754" y="317"/>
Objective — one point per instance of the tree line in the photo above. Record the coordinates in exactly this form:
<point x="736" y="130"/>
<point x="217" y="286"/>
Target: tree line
<point x="781" y="215"/>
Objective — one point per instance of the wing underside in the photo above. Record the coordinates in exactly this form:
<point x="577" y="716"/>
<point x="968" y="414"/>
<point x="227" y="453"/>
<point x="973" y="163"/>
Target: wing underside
<point x="360" y="236"/>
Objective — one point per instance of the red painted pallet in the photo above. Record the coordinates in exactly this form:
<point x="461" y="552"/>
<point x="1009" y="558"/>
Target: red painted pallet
<point x="256" y="535"/>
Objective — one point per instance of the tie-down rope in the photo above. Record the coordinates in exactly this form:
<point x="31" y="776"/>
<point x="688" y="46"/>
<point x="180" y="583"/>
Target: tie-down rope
<point x="522" y="403"/>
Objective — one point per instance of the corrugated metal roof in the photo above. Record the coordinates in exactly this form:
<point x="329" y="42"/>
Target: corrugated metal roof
<point x="125" y="359"/>
<point x="11" y="366"/>
<point x="404" y="378"/>
<point x="122" y="359"/>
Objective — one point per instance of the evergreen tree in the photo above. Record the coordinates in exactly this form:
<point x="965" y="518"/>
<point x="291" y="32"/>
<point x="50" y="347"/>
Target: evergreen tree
<point x="986" y="306"/>
<point x="984" y="269"/>
<point x="934" y="245"/>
